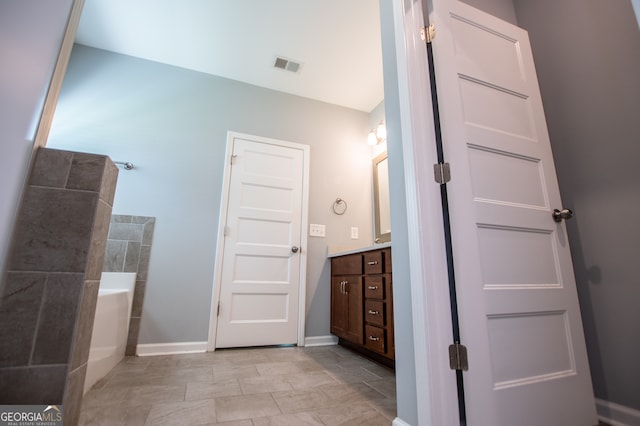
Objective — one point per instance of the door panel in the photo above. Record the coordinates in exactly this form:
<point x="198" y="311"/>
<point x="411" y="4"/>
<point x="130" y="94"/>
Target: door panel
<point x="249" y="308"/>
<point x="260" y="284"/>
<point x="517" y="302"/>
<point x="526" y="186"/>
<point x="503" y="264"/>
<point x="513" y="337"/>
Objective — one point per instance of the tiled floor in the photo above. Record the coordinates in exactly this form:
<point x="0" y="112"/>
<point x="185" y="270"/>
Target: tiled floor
<point x="326" y="385"/>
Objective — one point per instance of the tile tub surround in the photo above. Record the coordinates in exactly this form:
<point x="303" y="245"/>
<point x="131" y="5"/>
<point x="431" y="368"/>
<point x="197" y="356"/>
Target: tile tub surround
<point x="49" y="291"/>
<point x="128" y="250"/>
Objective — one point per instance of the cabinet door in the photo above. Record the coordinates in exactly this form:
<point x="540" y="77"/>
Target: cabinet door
<point x="346" y="307"/>
<point x="339" y="307"/>
<point x="355" y="331"/>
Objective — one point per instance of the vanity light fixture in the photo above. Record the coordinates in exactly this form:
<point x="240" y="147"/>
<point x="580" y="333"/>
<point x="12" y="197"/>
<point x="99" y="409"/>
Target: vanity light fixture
<point x="377" y="135"/>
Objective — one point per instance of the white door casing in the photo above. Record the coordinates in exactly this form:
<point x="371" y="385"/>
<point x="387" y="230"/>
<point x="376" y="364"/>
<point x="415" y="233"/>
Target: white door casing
<point x="260" y="280"/>
<point x="409" y="117"/>
<point x="517" y="300"/>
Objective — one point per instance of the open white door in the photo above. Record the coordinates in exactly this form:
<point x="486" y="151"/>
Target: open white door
<point x="262" y="259"/>
<point x="517" y="301"/>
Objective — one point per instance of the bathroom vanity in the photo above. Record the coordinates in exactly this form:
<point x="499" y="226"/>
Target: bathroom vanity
<point x="362" y="301"/>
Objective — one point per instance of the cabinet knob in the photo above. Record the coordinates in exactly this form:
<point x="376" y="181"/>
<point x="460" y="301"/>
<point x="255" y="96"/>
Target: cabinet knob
<point x="372" y="312"/>
<point x="373" y="262"/>
<point x="373" y="287"/>
<point x="374" y="338"/>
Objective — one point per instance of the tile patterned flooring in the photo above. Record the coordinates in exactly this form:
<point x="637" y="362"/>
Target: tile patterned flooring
<point x="326" y="385"/>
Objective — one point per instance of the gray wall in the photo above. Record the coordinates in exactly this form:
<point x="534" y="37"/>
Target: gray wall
<point x="31" y="34"/>
<point x="591" y="92"/>
<point x="172" y="124"/>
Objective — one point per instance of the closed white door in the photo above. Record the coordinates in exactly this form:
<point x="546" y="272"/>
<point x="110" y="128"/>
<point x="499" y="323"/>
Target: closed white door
<point x="517" y="301"/>
<point x="261" y="266"/>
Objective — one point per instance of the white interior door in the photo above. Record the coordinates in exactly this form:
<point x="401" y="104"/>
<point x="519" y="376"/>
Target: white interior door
<point x="262" y="254"/>
<point x="518" y="307"/>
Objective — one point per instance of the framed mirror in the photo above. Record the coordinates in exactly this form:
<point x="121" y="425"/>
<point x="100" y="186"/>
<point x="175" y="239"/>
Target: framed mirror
<point x="381" y="206"/>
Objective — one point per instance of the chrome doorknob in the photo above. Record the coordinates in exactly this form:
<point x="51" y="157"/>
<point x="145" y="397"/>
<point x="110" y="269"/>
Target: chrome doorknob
<point x="558" y="215"/>
<point x="294" y="249"/>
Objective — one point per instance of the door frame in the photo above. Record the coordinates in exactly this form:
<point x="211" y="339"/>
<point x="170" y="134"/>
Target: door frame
<point x="409" y="115"/>
<point x="224" y="204"/>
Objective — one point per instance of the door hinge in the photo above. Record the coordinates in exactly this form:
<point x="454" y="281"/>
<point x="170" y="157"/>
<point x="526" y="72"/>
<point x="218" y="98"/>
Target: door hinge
<point x="218" y="313"/>
<point x="442" y="173"/>
<point x="227" y="231"/>
<point x="233" y="157"/>
<point x="458" y="359"/>
<point x="427" y="34"/>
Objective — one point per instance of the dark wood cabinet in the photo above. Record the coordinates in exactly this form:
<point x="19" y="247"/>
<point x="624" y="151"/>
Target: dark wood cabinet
<point x="362" y="303"/>
<point x="346" y="307"/>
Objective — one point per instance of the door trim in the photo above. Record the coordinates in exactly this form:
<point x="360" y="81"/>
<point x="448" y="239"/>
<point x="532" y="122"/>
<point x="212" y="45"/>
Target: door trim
<point x="435" y="385"/>
<point x="304" y="224"/>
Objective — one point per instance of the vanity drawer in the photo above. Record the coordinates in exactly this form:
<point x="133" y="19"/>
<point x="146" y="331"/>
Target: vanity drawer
<point x="374" y="287"/>
<point x="347" y="265"/>
<point x="373" y="262"/>
<point x="386" y="254"/>
<point x="374" y="312"/>
<point x="375" y="339"/>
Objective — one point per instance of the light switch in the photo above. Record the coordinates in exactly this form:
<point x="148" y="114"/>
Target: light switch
<point x="354" y="232"/>
<point x="316" y="230"/>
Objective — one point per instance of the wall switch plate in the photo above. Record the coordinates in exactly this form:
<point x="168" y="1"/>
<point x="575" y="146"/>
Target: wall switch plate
<point x="316" y="230"/>
<point x="354" y="232"/>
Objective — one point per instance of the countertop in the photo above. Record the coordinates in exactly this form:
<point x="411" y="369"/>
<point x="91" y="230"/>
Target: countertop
<point x="341" y="251"/>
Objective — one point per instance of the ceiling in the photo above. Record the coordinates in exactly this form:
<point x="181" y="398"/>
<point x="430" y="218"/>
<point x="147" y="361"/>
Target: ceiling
<point x="337" y="42"/>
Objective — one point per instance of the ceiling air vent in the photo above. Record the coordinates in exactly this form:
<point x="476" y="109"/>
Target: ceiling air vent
<point x="286" y="64"/>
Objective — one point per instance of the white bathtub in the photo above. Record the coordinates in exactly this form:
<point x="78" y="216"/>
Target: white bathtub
<point x="111" y="324"/>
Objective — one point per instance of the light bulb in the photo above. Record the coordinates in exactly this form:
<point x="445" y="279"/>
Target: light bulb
<point x="372" y="139"/>
<point x="381" y="132"/>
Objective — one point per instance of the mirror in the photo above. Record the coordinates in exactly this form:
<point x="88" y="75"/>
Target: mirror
<point x="381" y="207"/>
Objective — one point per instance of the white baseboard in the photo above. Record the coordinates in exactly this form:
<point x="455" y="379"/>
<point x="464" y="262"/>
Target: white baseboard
<point x="399" y="422"/>
<point x="616" y="414"/>
<point x="320" y="341"/>
<point x="152" y="349"/>
<point x="171" y="348"/>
